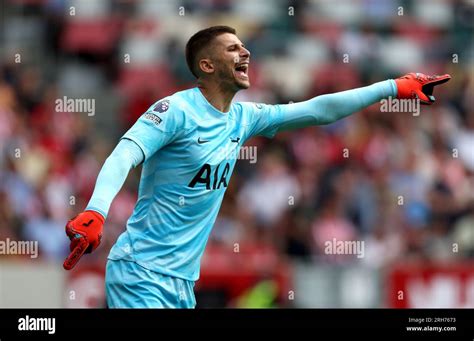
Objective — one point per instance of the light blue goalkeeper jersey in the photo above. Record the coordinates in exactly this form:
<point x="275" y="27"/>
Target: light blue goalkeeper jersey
<point x="190" y="152"/>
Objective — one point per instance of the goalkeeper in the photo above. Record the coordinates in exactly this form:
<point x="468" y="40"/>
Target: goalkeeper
<point x="156" y="261"/>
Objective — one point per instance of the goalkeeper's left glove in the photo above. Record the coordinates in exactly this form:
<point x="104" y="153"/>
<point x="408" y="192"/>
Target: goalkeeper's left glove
<point x="419" y="86"/>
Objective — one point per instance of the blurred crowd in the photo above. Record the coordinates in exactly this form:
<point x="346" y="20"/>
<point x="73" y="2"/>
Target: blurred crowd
<point x="401" y="183"/>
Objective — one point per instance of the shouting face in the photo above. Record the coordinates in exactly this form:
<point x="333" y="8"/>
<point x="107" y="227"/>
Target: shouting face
<point x="228" y="62"/>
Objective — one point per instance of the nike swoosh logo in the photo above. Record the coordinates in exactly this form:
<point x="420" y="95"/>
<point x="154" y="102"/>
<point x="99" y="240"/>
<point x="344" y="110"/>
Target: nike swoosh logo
<point x="236" y="140"/>
<point x="202" y="141"/>
<point x="87" y="224"/>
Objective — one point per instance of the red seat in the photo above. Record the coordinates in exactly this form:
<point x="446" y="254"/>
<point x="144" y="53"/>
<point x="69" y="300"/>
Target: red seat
<point x="96" y="36"/>
<point x="142" y="78"/>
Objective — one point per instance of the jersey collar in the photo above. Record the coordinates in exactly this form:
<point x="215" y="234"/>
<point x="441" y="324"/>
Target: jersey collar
<point x="212" y="109"/>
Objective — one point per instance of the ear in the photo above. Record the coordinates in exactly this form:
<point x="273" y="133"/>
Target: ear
<point x="206" y="66"/>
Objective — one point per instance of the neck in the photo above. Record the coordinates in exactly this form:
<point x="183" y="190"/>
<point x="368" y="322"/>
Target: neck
<point x="219" y="97"/>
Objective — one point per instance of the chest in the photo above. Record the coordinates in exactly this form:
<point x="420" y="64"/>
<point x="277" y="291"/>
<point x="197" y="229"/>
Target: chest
<point x="213" y="142"/>
<point x="210" y="151"/>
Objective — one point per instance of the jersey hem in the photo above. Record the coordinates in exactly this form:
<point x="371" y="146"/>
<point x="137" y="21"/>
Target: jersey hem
<point x="157" y="270"/>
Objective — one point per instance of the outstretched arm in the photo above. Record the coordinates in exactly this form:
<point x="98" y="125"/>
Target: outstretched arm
<point x="329" y="108"/>
<point x="325" y="109"/>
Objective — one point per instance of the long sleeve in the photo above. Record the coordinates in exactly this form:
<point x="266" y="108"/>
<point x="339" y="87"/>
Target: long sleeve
<point x="320" y="110"/>
<point x="114" y="172"/>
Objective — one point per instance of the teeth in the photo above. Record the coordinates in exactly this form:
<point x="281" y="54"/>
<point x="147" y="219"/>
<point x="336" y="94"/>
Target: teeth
<point x="244" y="66"/>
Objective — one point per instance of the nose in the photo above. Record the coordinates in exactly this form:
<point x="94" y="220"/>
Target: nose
<point x="244" y="53"/>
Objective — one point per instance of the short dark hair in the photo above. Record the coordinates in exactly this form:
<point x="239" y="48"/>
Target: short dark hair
<point x="201" y="40"/>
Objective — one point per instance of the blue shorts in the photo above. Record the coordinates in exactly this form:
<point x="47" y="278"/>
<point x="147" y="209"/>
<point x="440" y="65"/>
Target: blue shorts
<point x="129" y="285"/>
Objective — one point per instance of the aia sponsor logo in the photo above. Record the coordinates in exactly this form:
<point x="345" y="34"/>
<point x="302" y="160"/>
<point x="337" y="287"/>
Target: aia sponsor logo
<point x="213" y="179"/>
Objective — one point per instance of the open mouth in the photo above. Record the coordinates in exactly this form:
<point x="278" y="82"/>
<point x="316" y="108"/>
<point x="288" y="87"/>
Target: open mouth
<point x="241" y="70"/>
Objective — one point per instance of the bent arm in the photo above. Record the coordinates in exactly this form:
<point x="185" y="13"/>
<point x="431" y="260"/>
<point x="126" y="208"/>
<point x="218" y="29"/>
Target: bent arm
<point x="114" y="172"/>
<point x="326" y="109"/>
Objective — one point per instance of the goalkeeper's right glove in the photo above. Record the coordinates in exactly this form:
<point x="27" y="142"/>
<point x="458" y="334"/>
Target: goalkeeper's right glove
<point x="85" y="233"/>
<point x="419" y="86"/>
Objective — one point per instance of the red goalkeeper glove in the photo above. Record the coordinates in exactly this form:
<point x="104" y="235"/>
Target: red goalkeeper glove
<point x="85" y="233"/>
<point x="418" y="85"/>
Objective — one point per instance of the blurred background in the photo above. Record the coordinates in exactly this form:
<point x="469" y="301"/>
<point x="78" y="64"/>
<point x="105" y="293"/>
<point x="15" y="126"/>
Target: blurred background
<point x="402" y="184"/>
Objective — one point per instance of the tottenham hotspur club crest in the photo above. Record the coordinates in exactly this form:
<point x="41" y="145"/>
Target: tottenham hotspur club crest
<point x="162" y="106"/>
